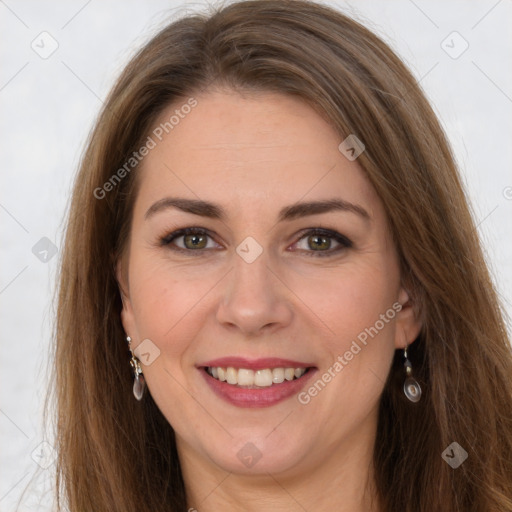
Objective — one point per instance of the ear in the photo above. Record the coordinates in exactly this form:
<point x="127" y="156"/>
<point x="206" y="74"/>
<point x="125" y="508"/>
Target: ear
<point x="408" y="324"/>
<point x="127" y="315"/>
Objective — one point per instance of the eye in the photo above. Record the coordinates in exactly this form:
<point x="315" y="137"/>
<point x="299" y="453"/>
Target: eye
<point x="315" y="242"/>
<point x="321" y="241"/>
<point x="190" y="239"/>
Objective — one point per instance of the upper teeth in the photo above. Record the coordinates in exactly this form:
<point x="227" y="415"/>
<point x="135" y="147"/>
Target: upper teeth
<point x="245" y="377"/>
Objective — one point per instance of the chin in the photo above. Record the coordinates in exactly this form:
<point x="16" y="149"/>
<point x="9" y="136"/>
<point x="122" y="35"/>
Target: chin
<point x="252" y="455"/>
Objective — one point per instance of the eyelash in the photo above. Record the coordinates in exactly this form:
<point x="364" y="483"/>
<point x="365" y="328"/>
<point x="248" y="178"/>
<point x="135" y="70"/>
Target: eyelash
<point x="344" y="242"/>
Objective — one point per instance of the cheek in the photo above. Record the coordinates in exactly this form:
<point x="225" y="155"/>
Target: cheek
<point x="356" y="344"/>
<point x="348" y="299"/>
<point x="163" y="300"/>
<point x="355" y="306"/>
<point x="167" y="308"/>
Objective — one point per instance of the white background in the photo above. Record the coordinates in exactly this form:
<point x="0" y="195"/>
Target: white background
<point x="48" y="107"/>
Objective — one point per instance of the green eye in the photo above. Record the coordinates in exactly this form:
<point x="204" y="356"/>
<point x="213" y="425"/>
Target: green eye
<point x="195" y="241"/>
<point x="319" y="242"/>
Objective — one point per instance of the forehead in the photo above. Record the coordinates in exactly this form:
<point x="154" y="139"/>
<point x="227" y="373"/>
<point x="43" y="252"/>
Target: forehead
<point x="264" y="149"/>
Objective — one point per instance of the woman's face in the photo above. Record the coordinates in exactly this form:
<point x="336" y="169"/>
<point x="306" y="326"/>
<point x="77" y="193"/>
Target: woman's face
<point x="291" y="266"/>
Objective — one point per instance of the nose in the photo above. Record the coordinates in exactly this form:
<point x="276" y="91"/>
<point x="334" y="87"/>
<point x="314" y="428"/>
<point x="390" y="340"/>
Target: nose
<point x="254" y="298"/>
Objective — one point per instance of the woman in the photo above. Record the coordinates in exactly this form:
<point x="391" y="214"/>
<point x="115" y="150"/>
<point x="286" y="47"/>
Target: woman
<point x="272" y="294"/>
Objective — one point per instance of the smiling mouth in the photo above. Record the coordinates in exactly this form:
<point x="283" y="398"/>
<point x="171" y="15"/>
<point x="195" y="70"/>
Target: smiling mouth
<point x="255" y="379"/>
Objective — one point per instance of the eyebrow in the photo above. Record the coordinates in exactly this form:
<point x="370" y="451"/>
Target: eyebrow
<point x="288" y="213"/>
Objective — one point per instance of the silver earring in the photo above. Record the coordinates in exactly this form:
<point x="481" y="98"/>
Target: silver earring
<point x="412" y="388"/>
<point x="139" y="384"/>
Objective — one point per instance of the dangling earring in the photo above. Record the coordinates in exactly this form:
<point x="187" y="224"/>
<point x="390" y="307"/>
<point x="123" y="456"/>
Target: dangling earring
<point x="139" y="384"/>
<point x="412" y="389"/>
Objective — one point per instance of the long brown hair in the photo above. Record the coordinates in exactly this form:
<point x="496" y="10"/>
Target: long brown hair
<point x="117" y="454"/>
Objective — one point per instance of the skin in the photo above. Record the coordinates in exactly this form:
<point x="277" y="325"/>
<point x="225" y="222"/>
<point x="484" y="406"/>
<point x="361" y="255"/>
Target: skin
<point x="254" y="154"/>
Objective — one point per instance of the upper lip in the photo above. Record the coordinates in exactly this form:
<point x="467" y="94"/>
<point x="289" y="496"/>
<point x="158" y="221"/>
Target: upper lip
<point x="255" y="364"/>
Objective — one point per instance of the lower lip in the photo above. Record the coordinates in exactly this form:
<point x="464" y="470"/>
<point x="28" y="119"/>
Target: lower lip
<point x="264" y="397"/>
